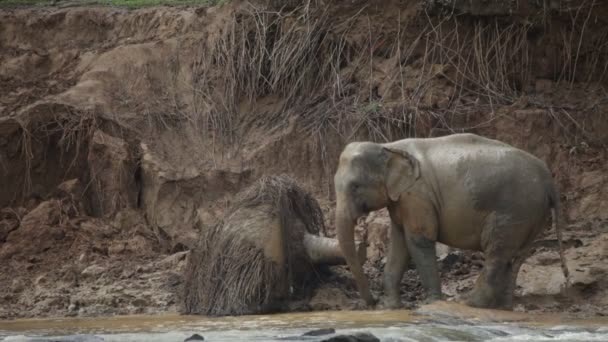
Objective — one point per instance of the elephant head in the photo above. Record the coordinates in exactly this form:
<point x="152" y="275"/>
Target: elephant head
<point x="369" y="177"/>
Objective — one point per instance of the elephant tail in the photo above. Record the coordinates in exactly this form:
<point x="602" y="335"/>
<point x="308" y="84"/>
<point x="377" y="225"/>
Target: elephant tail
<point x="558" y="225"/>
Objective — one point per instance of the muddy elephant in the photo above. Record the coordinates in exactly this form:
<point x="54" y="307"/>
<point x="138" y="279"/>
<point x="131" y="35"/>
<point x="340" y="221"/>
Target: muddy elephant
<point x="463" y="190"/>
<point x="261" y="254"/>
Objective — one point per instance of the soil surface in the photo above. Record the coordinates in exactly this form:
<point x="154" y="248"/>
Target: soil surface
<point x="122" y="132"/>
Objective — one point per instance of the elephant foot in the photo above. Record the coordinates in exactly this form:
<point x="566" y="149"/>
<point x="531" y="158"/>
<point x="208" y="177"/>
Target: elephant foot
<point x="431" y="299"/>
<point x="482" y="305"/>
<point x="461" y="299"/>
<point x="476" y="303"/>
<point x="433" y="296"/>
<point x="393" y="304"/>
<point x="370" y="301"/>
<point x="479" y="300"/>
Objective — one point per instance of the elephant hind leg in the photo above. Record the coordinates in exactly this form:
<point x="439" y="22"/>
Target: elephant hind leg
<point x="524" y="252"/>
<point x="495" y="286"/>
<point x="518" y="260"/>
<point x="506" y="244"/>
<point x="492" y="288"/>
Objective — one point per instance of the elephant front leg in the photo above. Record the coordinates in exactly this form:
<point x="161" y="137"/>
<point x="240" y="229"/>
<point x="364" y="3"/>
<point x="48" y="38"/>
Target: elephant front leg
<point x="395" y="266"/>
<point x="423" y="252"/>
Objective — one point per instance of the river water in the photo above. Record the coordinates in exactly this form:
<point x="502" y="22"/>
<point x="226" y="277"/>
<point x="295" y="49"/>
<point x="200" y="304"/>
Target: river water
<point x="443" y="322"/>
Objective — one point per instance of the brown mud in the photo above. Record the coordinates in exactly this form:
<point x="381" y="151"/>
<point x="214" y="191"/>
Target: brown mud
<point x="123" y="132"/>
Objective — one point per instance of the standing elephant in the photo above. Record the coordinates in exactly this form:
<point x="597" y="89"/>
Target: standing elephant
<point x="463" y="190"/>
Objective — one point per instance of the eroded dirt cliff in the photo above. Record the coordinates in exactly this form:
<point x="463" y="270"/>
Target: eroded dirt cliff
<point x="124" y="132"/>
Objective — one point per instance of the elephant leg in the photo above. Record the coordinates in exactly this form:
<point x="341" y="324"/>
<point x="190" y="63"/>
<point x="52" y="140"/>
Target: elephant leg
<point x="524" y="252"/>
<point x="423" y="252"/>
<point x="510" y="292"/>
<point x="515" y="266"/>
<point x="396" y="264"/>
<point x="493" y="286"/>
<point x="503" y="240"/>
<point x="518" y="260"/>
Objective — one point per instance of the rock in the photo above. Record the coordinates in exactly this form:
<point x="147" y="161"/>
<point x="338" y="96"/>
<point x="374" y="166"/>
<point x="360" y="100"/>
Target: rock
<point x="173" y="260"/>
<point x="117" y="247"/>
<point x="93" y="271"/>
<point x="195" y="337"/>
<point x="127" y="219"/>
<point x="38" y="232"/>
<point x="9" y="221"/>
<point x="591" y="179"/>
<point x="6" y="227"/>
<point x="546" y="258"/>
<point x="587" y="275"/>
<point x="593" y="205"/>
<point x="17" y="286"/>
<point x="140" y="302"/>
<point x="40" y="280"/>
<point x="320" y="332"/>
<point x="358" y="337"/>
<point x="312" y="333"/>
<point x="541" y="275"/>
<point x="442" y="250"/>
<point x="540" y="280"/>
<point x="451" y="259"/>
<point x="46" y="213"/>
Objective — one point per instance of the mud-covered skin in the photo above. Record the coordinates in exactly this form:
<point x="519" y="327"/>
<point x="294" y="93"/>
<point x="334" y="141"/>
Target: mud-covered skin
<point x="463" y="190"/>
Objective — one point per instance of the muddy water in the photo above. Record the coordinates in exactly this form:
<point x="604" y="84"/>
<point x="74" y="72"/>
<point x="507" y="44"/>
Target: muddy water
<point x="438" y="322"/>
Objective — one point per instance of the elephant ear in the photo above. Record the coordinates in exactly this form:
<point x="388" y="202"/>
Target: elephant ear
<point x="402" y="171"/>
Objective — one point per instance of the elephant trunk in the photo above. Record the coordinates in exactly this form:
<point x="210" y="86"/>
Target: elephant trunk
<point x="345" y="226"/>
<point x="326" y="251"/>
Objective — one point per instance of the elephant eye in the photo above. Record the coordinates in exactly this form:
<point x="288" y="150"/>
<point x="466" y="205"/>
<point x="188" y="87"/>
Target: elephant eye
<point x="354" y="186"/>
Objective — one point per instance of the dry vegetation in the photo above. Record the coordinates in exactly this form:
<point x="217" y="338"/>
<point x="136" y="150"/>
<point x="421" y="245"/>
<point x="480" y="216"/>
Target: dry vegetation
<point x="365" y="76"/>
<point x="480" y="63"/>
<point x="441" y="71"/>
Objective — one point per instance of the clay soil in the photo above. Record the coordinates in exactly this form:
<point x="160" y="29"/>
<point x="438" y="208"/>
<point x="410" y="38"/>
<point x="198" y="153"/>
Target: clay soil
<point x="123" y="133"/>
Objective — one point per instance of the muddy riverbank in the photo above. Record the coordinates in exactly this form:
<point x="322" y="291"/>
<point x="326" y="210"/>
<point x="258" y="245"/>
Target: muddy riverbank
<point x="123" y="133"/>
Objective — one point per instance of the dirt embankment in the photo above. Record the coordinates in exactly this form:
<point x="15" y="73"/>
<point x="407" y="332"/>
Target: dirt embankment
<point x="124" y="132"/>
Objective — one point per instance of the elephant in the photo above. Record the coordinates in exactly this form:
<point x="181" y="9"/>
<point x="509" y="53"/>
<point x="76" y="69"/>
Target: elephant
<point x="264" y="249"/>
<point x="463" y="190"/>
